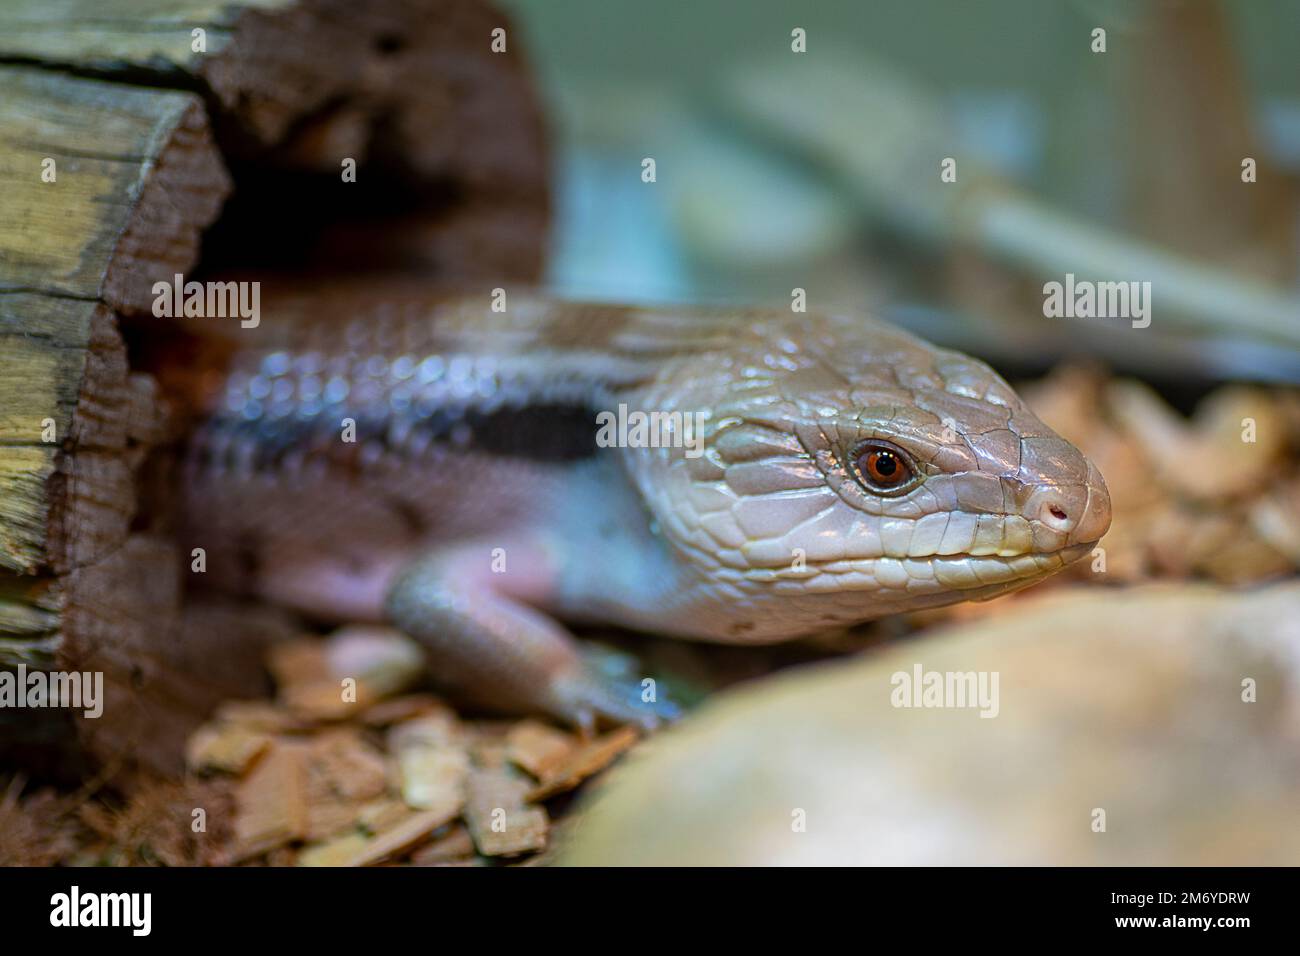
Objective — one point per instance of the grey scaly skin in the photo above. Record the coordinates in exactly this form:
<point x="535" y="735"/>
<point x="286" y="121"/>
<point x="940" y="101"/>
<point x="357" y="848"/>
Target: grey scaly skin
<point x="849" y="471"/>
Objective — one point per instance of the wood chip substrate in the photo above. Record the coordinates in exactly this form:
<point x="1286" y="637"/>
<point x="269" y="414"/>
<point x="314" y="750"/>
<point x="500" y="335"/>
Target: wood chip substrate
<point x="346" y="766"/>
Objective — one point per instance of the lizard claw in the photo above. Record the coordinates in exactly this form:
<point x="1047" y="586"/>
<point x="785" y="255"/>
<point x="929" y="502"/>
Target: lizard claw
<point x="591" y="697"/>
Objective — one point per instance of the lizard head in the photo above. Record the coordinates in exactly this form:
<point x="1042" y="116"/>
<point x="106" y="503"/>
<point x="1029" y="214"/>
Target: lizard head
<point x="866" y="475"/>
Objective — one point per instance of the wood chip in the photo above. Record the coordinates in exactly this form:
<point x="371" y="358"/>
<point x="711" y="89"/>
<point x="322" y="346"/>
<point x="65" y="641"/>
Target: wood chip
<point x="454" y="847"/>
<point x="346" y="673"/>
<point x="1177" y="449"/>
<point x="327" y="700"/>
<point x="489" y="752"/>
<point x="385" y="660"/>
<point x="499" y="820"/>
<point x="344" y="774"/>
<point x="340" y="851"/>
<point x="400" y="709"/>
<point x="539" y="748"/>
<point x="298" y="662"/>
<point x="1276" y="519"/>
<point x="438" y="727"/>
<point x="260" y="715"/>
<point x="403" y="836"/>
<point x="327" y="819"/>
<point x="271" y="802"/>
<point x="587" y="760"/>
<point x="433" y="776"/>
<point x="228" y="748"/>
<point x="382" y="814"/>
<point x="430" y="760"/>
<point x="347" y="765"/>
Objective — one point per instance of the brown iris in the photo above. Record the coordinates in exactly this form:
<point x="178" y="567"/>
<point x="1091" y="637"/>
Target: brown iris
<point x="881" y="467"/>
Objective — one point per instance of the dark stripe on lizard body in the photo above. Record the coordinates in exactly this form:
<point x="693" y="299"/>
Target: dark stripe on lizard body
<point x="417" y="387"/>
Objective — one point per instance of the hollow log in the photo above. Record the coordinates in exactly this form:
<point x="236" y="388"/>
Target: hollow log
<point x="187" y="138"/>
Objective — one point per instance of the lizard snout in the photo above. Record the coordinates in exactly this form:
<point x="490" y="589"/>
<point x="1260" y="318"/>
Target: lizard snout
<point x="1080" y="512"/>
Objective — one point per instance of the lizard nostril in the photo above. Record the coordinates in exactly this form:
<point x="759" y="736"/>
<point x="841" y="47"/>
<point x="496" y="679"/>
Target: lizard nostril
<point x="1055" y="516"/>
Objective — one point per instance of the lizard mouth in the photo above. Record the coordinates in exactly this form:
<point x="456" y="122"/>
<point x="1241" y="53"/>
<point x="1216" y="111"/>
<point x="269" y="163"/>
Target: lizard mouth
<point x="970" y="572"/>
<point x="935" y="572"/>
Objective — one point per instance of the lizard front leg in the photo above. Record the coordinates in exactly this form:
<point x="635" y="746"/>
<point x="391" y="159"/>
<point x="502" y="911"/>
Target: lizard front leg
<point x="487" y="637"/>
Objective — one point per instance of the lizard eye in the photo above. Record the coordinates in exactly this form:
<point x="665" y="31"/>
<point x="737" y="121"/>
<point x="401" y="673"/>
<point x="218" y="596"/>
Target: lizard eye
<point x="883" y="468"/>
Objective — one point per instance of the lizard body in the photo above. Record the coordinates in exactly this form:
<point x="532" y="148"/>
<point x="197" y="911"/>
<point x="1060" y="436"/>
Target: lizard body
<point x="848" y="471"/>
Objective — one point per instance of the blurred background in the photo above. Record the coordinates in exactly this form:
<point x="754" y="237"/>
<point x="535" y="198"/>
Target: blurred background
<point x="820" y="170"/>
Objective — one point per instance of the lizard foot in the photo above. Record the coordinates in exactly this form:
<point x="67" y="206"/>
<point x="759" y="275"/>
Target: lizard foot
<point x="589" y="696"/>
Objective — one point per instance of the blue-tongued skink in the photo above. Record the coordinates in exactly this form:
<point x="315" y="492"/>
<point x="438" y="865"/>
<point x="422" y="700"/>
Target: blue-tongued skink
<point x="475" y="477"/>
